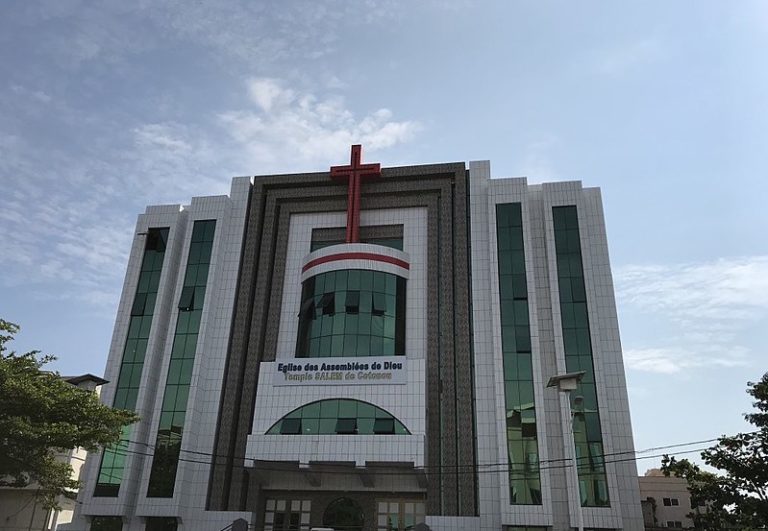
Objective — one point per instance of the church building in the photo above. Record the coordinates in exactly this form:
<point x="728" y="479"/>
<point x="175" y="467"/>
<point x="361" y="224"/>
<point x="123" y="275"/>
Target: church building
<point x="368" y="349"/>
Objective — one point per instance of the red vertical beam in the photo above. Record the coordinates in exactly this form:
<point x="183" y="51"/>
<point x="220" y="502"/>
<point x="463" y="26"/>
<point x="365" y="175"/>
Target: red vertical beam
<point x="354" y="174"/>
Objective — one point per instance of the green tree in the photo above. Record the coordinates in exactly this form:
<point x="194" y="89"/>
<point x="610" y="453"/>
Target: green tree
<point x="737" y="496"/>
<point x="42" y="415"/>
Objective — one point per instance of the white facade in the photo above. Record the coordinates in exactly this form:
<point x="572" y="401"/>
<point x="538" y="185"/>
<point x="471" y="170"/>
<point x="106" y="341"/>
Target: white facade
<point x="407" y="402"/>
<point x="667" y="499"/>
<point x="188" y="504"/>
<point x="559" y="508"/>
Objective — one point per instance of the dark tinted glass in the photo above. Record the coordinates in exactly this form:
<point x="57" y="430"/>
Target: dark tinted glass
<point x="522" y="442"/>
<point x="352" y="305"/>
<point x="132" y="365"/>
<point x="353" y="313"/>
<point x="346" y="426"/>
<point x="161" y="524"/>
<point x="106" y="523"/>
<point x="290" y="427"/>
<point x="394" y="243"/>
<point x="384" y="426"/>
<point x="186" y="300"/>
<point x="192" y="298"/>
<point x="578" y="354"/>
<point x="327" y="417"/>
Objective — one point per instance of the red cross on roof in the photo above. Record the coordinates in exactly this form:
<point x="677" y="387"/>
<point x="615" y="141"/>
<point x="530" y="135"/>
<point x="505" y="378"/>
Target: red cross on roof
<point x="353" y="173"/>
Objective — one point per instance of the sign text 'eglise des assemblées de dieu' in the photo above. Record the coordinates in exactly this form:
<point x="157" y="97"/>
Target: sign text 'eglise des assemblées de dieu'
<point x="340" y="371"/>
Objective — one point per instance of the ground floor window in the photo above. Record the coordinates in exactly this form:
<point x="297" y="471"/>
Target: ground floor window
<point x="161" y="524"/>
<point x="107" y="523"/>
<point x="284" y="515"/>
<point x="399" y="515"/>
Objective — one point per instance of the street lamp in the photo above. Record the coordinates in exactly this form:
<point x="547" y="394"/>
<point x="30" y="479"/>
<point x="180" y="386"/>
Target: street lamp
<point x="566" y="383"/>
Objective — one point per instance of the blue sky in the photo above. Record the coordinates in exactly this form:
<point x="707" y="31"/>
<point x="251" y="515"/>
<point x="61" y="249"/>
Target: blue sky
<point x="108" y="106"/>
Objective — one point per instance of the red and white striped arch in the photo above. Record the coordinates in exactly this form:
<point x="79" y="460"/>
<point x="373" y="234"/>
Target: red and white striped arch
<point x="356" y="256"/>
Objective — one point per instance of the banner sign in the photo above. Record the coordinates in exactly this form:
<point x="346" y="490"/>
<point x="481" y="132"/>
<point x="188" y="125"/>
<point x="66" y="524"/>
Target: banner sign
<point x="340" y="371"/>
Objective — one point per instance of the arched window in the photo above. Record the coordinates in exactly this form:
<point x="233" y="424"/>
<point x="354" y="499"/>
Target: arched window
<point x="344" y="514"/>
<point x="338" y="417"/>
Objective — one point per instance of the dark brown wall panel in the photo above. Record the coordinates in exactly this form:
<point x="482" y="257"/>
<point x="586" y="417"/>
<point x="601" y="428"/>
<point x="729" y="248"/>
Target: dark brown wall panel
<point x="442" y="190"/>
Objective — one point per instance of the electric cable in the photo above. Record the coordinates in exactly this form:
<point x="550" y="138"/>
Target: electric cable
<point x="502" y="464"/>
<point x="504" y="467"/>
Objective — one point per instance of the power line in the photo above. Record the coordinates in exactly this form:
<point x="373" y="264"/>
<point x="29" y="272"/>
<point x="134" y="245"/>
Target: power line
<point x="559" y="460"/>
<point x="503" y="467"/>
<point x="524" y="470"/>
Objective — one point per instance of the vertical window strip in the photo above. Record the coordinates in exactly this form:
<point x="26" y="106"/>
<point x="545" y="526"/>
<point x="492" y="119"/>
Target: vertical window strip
<point x="579" y="357"/>
<point x="165" y="462"/>
<point x="522" y="441"/>
<point x="142" y="309"/>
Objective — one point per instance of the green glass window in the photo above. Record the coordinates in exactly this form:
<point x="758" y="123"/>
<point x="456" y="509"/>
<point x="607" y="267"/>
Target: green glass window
<point x="338" y="417"/>
<point x="168" y="445"/>
<point x="142" y="309"/>
<point x="352" y="313"/>
<point x="346" y="426"/>
<point x="106" y="523"/>
<point x="290" y="427"/>
<point x="384" y="426"/>
<point x="522" y="439"/>
<point x="394" y="243"/>
<point x="578" y="357"/>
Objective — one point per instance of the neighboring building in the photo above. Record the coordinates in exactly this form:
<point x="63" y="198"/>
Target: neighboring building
<point x="20" y="509"/>
<point x="311" y="351"/>
<point x="666" y="501"/>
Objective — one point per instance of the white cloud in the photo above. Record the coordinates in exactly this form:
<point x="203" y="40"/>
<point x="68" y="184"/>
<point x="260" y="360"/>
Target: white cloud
<point x="725" y="290"/>
<point x="267" y="92"/>
<point x="292" y="127"/>
<point x="629" y="56"/>
<point x="254" y="34"/>
<point x="709" y="304"/>
<point x="171" y="162"/>
<point x="106" y="32"/>
<point x="333" y="82"/>
<point x="37" y="95"/>
<point x="160" y="136"/>
<point x="68" y="216"/>
<point x="671" y="360"/>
